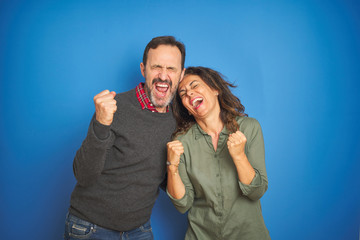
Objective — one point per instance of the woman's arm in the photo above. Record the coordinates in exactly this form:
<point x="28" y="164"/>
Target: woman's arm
<point x="250" y="166"/>
<point x="179" y="187"/>
<point x="236" y="145"/>
<point x="175" y="186"/>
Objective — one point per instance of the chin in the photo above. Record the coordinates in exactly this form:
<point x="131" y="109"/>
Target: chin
<point x="161" y="103"/>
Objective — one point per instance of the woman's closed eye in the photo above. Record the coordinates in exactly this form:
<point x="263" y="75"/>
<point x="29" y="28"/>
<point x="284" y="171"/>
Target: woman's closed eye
<point x="182" y="93"/>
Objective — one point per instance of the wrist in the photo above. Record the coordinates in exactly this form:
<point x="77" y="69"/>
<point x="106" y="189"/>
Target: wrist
<point x="104" y="120"/>
<point x="101" y="131"/>
<point x="172" y="168"/>
<point x="240" y="158"/>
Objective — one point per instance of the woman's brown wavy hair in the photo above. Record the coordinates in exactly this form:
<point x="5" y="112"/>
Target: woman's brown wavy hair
<point x="230" y="105"/>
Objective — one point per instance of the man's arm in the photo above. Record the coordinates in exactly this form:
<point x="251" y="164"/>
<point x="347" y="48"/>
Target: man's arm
<point x="90" y="158"/>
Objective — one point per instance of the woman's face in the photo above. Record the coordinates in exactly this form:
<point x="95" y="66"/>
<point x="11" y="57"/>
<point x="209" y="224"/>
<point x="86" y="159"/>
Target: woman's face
<point x="198" y="98"/>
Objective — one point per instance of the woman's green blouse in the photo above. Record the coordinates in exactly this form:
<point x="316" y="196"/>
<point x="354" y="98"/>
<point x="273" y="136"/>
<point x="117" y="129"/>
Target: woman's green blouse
<point x="219" y="205"/>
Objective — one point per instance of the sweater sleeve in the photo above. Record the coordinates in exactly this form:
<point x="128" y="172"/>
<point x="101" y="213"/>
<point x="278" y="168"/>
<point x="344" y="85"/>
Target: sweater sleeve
<point x="185" y="203"/>
<point x="90" y="158"/>
<point x="256" y="156"/>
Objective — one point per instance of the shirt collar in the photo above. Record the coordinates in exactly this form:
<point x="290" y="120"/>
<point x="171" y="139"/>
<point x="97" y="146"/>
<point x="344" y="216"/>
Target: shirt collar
<point x="144" y="100"/>
<point x="198" y="132"/>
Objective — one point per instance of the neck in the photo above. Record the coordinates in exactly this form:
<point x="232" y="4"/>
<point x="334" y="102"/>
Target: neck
<point x="211" y="125"/>
<point x="161" y="110"/>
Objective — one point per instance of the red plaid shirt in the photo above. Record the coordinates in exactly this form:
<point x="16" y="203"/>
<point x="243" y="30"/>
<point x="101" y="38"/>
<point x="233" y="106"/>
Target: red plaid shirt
<point x="144" y="100"/>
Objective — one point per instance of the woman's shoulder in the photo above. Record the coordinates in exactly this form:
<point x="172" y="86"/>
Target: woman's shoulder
<point x="187" y="136"/>
<point x="248" y="123"/>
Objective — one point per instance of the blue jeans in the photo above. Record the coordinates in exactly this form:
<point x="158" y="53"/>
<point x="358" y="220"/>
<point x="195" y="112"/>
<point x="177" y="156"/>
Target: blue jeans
<point x="76" y="228"/>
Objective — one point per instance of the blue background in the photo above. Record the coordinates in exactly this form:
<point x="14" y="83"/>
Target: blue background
<point x="296" y="64"/>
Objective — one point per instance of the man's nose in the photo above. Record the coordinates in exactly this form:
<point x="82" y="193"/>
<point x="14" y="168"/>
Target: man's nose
<point x="163" y="75"/>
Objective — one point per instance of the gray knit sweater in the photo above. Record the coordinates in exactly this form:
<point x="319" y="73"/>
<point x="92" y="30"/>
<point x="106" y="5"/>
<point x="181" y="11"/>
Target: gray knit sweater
<point x="119" y="168"/>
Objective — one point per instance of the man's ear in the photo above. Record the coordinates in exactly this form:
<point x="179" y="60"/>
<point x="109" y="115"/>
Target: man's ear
<point x="182" y="74"/>
<point x="142" y="68"/>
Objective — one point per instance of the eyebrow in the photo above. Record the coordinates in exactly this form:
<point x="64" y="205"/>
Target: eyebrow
<point x="193" y="82"/>
<point x="156" y="65"/>
<point x="182" y="90"/>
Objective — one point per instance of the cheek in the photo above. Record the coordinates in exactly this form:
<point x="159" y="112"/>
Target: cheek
<point x="176" y="76"/>
<point x="184" y="102"/>
<point x="151" y="73"/>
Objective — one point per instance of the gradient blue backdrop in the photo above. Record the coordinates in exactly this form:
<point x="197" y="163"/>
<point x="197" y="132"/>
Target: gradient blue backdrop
<point x="296" y="64"/>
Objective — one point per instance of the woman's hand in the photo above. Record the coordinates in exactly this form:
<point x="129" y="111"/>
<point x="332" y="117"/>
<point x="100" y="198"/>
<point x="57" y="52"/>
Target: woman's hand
<point x="174" y="151"/>
<point x="236" y="145"/>
<point x="175" y="186"/>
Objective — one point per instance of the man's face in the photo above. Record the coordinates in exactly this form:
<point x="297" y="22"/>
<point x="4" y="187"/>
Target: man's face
<point x="162" y="74"/>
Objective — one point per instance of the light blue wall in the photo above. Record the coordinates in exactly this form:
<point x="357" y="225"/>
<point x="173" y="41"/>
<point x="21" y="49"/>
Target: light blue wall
<point x="296" y="64"/>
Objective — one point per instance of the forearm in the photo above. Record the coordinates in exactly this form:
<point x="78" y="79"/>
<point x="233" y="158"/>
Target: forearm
<point x="245" y="171"/>
<point x="250" y="162"/>
<point x="175" y="186"/>
<point x="88" y="164"/>
<point x="90" y="158"/>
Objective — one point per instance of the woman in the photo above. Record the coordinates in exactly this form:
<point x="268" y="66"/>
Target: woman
<point x="216" y="167"/>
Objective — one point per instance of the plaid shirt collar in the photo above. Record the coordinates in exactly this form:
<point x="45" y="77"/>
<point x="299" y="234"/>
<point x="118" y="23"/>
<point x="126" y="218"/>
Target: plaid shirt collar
<point x="144" y="100"/>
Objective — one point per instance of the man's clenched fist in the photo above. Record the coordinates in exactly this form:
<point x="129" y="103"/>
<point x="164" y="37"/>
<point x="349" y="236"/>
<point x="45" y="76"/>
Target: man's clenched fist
<point x="105" y="107"/>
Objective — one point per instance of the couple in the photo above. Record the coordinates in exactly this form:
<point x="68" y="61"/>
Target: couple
<point x="215" y="159"/>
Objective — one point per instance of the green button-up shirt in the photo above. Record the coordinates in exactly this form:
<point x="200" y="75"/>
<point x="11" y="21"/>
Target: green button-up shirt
<point x="219" y="205"/>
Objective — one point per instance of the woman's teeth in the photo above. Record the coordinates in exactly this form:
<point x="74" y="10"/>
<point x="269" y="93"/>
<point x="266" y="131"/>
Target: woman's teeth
<point x="197" y="102"/>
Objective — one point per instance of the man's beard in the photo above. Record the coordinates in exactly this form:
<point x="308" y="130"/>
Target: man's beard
<point x="154" y="100"/>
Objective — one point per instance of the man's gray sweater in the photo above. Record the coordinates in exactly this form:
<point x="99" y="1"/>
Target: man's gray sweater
<point x="119" y="168"/>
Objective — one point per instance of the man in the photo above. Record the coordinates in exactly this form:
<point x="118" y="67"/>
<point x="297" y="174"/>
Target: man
<point x="122" y="161"/>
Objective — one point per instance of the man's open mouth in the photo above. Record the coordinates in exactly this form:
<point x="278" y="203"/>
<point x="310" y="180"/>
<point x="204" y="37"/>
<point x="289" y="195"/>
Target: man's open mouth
<point x="162" y="87"/>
